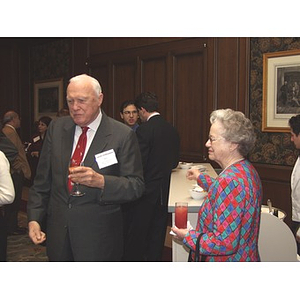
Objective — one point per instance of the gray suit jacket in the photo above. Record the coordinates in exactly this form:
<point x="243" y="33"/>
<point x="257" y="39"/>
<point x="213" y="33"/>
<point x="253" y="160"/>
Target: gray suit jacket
<point x="93" y="221"/>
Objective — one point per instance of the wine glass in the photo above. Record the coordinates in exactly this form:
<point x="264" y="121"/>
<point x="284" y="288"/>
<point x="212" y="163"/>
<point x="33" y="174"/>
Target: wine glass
<point x="75" y="185"/>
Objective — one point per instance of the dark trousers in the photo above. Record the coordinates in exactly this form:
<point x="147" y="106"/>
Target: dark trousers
<point x="66" y="254"/>
<point x="11" y="210"/>
<point x="145" y="230"/>
<point x="3" y="236"/>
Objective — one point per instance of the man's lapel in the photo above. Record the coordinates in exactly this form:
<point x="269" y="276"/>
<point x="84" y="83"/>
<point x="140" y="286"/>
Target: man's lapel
<point x="100" y="141"/>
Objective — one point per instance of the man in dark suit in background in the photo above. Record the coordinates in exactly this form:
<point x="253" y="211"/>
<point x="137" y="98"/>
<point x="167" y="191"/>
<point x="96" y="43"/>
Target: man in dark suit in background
<point x="89" y="227"/>
<point x="159" y="145"/>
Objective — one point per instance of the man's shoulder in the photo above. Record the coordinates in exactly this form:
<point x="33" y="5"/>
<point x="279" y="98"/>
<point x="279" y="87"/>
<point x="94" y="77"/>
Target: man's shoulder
<point x="160" y="121"/>
<point x="155" y="122"/>
<point x="10" y="133"/>
<point x="117" y="125"/>
<point x="7" y="129"/>
<point x="62" y="122"/>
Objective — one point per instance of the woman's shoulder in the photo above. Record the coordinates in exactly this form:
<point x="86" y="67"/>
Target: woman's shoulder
<point x="242" y="171"/>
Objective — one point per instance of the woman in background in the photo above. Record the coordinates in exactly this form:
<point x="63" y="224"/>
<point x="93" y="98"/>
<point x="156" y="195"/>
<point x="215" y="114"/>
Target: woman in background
<point x="36" y="144"/>
<point x="229" y="218"/>
<point x="7" y="195"/>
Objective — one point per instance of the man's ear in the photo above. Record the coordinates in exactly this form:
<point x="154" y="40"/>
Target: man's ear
<point x="121" y="115"/>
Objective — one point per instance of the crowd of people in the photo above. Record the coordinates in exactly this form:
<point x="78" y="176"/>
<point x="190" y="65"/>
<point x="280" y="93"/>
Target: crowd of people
<point x="123" y="173"/>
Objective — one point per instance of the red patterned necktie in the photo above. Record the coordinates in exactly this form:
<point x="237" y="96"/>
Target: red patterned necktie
<point x="79" y="152"/>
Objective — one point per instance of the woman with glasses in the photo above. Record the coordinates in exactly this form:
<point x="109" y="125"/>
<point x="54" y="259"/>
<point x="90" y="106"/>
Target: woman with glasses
<point x="228" y="220"/>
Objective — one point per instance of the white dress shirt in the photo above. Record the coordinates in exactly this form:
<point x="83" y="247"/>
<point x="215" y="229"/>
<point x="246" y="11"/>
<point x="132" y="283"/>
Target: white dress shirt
<point x="152" y="115"/>
<point x="295" y="186"/>
<point x="7" y="191"/>
<point x="90" y="133"/>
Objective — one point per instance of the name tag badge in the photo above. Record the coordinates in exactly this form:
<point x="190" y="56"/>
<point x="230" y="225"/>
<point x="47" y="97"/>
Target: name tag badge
<point x="106" y="159"/>
<point x="36" y="139"/>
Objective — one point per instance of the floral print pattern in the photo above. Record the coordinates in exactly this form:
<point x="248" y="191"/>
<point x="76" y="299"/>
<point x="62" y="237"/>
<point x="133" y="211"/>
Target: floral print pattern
<point x="270" y="148"/>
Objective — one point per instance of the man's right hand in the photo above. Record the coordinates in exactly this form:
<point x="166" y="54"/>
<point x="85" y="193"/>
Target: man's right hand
<point x="35" y="233"/>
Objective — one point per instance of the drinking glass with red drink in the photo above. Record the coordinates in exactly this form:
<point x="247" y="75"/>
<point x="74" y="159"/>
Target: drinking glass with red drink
<point x="181" y="212"/>
<point x="74" y="164"/>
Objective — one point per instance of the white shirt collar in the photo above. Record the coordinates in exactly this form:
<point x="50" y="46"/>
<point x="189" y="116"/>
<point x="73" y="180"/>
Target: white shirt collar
<point x="90" y="133"/>
<point x="94" y="125"/>
<point x="8" y="125"/>
<point x="152" y="115"/>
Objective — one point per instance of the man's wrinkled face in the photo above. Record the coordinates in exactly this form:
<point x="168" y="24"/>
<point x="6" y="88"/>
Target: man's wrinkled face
<point x="84" y="104"/>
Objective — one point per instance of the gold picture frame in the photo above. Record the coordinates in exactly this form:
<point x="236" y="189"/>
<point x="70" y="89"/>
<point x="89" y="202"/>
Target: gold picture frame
<point x="281" y="89"/>
<point x="48" y="98"/>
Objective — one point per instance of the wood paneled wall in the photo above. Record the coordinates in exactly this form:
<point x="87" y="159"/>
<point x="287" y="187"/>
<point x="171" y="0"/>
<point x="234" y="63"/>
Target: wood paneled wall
<point x="276" y="187"/>
<point x="191" y="77"/>
<point x="9" y="76"/>
<point x="232" y="68"/>
<point x="175" y="71"/>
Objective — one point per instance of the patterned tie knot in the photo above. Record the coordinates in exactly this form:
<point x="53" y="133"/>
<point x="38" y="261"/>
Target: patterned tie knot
<point x="84" y="129"/>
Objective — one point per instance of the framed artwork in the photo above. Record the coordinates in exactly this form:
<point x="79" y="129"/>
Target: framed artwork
<point x="48" y="98"/>
<point x="281" y="89"/>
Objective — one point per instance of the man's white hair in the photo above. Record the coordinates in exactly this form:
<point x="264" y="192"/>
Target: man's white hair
<point x="96" y="85"/>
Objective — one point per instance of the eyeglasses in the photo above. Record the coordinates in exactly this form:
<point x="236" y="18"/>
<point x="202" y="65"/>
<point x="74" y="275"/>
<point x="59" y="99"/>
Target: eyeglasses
<point x="212" y="139"/>
<point x="134" y="112"/>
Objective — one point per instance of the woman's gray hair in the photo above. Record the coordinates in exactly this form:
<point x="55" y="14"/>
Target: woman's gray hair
<point x="238" y="128"/>
<point x="95" y="83"/>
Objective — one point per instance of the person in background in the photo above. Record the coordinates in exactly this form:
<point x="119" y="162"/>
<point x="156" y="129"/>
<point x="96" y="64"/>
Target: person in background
<point x="294" y="123"/>
<point x="159" y="145"/>
<point x="229" y="218"/>
<point x="63" y="112"/>
<point x="8" y="148"/>
<point x="87" y="227"/>
<point x="7" y="195"/>
<point x="19" y="169"/>
<point x="36" y="144"/>
<point x="129" y="114"/>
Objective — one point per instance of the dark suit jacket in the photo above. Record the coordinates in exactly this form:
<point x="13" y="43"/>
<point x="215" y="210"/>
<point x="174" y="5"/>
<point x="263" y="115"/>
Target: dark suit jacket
<point x="159" y="144"/>
<point x="93" y="221"/>
<point x="8" y="148"/>
<point x="20" y="164"/>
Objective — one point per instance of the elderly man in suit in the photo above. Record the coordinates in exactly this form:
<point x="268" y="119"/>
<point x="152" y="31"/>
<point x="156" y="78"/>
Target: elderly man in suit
<point x="19" y="168"/>
<point x="88" y="227"/>
<point x="159" y="144"/>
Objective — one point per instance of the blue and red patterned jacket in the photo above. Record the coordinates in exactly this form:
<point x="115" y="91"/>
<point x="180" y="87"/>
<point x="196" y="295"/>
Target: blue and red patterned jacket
<point x="229" y="216"/>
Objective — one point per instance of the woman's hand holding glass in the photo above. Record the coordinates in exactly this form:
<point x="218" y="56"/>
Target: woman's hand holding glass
<point x="179" y="233"/>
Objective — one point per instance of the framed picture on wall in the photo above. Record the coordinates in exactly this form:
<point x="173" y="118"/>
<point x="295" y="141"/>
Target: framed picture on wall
<point x="48" y="98"/>
<point x="281" y="89"/>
